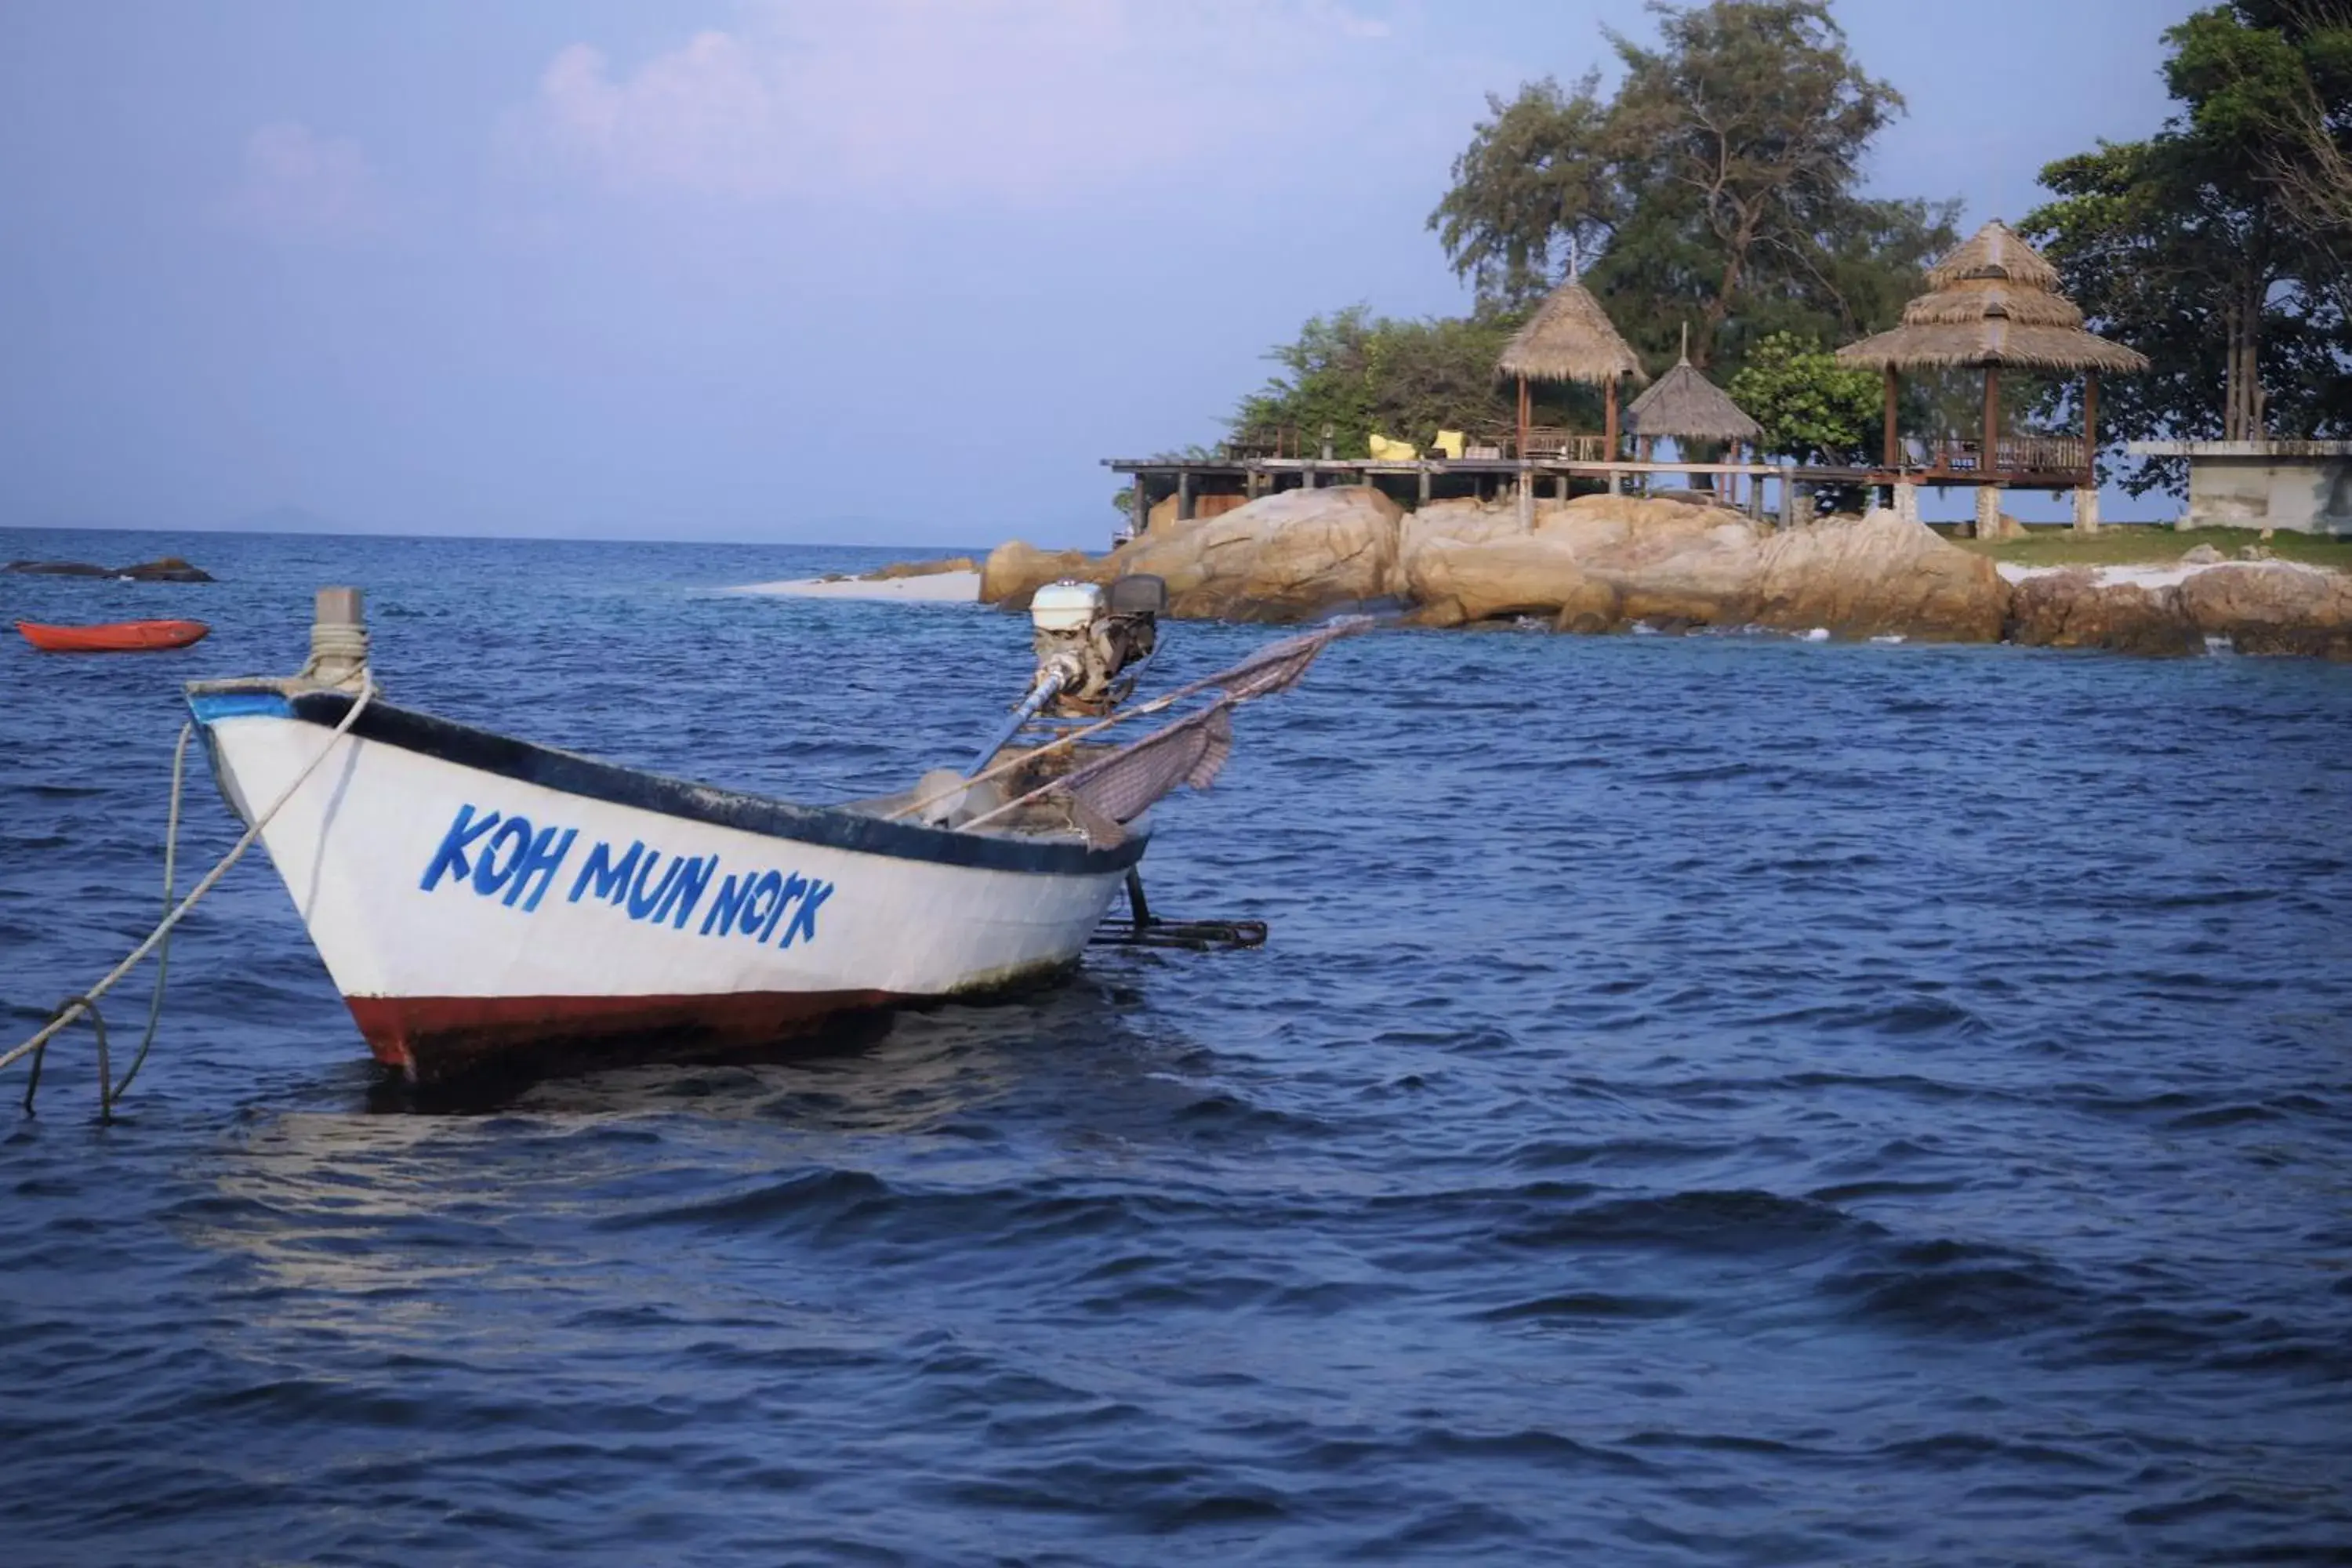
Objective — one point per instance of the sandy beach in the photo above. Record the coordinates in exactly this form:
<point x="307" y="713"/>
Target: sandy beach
<point x="936" y="588"/>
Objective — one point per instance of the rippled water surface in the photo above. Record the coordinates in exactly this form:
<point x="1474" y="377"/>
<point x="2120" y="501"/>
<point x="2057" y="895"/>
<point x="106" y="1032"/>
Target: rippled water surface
<point x="1710" y="1101"/>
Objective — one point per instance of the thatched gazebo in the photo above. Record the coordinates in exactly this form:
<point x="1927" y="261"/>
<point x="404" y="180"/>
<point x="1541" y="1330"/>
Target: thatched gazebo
<point x="1687" y="406"/>
<point x="1993" y="303"/>
<point x="1570" y="338"/>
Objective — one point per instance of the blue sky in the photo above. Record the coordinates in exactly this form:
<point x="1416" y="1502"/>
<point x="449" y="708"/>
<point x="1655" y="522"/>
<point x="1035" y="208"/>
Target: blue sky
<point x="899" y="271"/>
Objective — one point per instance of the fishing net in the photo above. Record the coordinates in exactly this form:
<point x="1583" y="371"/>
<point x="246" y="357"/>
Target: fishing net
<point x="1122" y="786"/>
<point x="1277" y="667"/>
<point x="1115" y="789"/>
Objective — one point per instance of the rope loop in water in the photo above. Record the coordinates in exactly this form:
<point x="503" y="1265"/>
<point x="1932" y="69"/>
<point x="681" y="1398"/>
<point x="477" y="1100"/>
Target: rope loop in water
<point x="159" y="939"/>
<point x="65" y="1013"/>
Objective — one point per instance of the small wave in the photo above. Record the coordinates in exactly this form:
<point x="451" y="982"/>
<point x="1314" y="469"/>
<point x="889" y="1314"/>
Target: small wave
<point x="813" y="1192"/>
<point x="1730" y="1222"/>
<point x="1953" y="1287"/>
<point x="1586" y="1307"/>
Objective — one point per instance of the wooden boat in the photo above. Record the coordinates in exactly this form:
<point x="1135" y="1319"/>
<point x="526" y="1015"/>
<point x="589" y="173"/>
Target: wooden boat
<point x="478" y="899"/>
<point x="116" y="637"/>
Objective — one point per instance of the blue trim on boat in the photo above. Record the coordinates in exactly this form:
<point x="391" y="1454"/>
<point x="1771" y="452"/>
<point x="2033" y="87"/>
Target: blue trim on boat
<point x="211" y="706"/>
<point x="506" y="757"/>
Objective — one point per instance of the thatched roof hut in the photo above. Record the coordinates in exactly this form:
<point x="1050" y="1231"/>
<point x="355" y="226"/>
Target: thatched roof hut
<point x="1686" y="405"/>
<point x="1995" y="251"/>
<point x="1995" y="303"/>
<point x="1570" y="338"/>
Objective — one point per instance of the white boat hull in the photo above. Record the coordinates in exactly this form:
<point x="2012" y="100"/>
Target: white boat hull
<point x="474" y="896"/>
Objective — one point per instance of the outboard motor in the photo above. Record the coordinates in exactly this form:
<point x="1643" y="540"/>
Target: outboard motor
<point x="1091" y="647"/>
<point x="1097" y="642"/>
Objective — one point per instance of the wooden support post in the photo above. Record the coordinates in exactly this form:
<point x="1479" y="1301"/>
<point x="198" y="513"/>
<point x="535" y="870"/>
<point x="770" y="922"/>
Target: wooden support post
<point x="2091" y="426"/>
<point x="1184" y="497"/>
<point x="1788" y="500"/>
<point x="1138" y="507"/>
<point x="1424" y="484"/>
<point x="1306" y="477"/>
<point x="1609" y="423"/>
<point x="1894" y="442"/>
<point x="1560" y="488"/>
<point x="1521" y="450"/>
<point x="2086" y="509"/>
<point x="1988" y="461"/>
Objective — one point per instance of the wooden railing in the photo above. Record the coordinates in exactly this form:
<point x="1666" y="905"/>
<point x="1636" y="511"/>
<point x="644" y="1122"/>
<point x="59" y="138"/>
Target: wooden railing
<point x="2012" y="455"/>
<point x="1563" y="445"/>
<point x="1269" y="441"/>
<point x="1545" y="443"/>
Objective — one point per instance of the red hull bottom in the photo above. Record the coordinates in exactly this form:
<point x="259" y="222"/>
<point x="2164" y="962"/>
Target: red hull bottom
<point x="433" y="1038"/>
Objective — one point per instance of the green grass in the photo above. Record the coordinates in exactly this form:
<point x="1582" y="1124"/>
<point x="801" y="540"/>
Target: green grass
<point x="2140" y="544"/>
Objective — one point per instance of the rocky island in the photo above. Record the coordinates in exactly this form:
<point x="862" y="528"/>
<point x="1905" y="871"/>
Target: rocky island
<point x="1676" y="561"/>
<point x="163" y="569"/>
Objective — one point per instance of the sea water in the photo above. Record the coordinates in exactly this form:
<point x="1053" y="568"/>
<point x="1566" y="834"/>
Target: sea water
<point x="1704" y="1100"/>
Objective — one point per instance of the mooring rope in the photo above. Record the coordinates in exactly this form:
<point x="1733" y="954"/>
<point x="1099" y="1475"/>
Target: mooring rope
<point x="87" y="1003"/>
<point x="109" y="1091"/>
<point x="171" y="891"/>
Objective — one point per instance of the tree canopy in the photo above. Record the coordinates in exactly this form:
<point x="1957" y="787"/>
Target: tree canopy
<point x="2213" y="247"/>
<point x="1719" y="185"/>
<point x="1814" y="408"/>
<point x="1355" y="372"/>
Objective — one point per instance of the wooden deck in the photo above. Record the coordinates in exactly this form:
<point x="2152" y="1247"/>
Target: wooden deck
<point x="1424" y="479"/>
<point x="1255" y="469"/>
<point x="2023" y="462"/>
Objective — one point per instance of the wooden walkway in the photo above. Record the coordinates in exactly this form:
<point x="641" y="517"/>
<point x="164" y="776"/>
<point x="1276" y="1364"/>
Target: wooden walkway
<point x="1156" y="479"/>
<point x="1428" y="479"/>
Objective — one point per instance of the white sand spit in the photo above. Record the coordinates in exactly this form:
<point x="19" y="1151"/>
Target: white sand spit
<point x="937" y="588"/>
<point x="2152" y="576"/>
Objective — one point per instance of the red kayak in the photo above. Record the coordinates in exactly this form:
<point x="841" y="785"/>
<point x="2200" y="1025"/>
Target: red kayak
<point x="119" y="637"/>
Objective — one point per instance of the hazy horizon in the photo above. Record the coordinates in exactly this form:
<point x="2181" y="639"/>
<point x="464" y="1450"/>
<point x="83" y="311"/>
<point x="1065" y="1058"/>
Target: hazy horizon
<point x="771" y="271"/>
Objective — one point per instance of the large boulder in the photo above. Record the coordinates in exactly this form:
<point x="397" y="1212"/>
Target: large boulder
<point x="1163" y="515"/>
<point x="1453" y="581"/>
<point x="1876" y="575"/>
<point x="1677" y="557"/>
<point x="1283" y="557"/>
<point x="1602" y="563"/>
<point x="1598" y="564"/>
<point x="1629" y="529"/>
<point x="1014" y="571"/>
<point x="2072" y="609"/>
<point x="1463" y="521"/>
<point x="2273" y="607"/>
